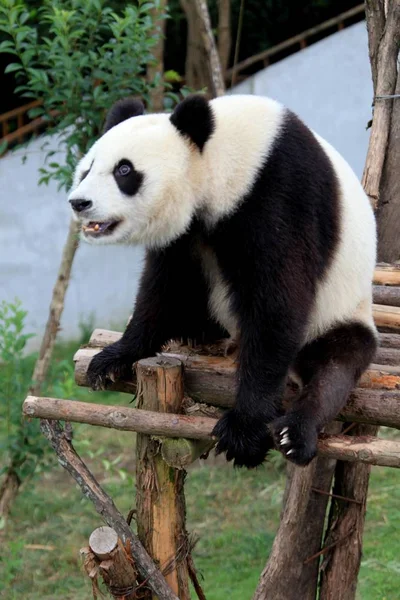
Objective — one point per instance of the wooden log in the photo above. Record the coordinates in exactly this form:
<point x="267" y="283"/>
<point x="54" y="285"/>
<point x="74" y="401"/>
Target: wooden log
<point x="384" y="294"/>
<point x="387" y="316"/>
<point x="212" y="379"/>
<point x="108" y="557"/>
<point x="369" y="450"/>
<point x="388" y="356"/>
<point x="386" y="274"/>
<point x="120" y="417"/>
<point x="381" y="407"/>
<point x="389" y="340"/>
<point x="344" y="534"/>
<point x="181" y="452"/>
<point x="300" y="533"/>
<point x="160" y="499"/>
<point x="101" y="338"/>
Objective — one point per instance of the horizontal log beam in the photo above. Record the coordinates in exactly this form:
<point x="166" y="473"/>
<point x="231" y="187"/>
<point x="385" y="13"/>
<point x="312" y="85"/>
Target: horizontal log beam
<point x="212" y="379"/>
<point x="386" y="316"/>
<point x="387" y="295"/>
<point x="119" y="417"/>
<point x="380" y="407"/>
<point x="369" y="450"/>
<point x="386" y="274"/>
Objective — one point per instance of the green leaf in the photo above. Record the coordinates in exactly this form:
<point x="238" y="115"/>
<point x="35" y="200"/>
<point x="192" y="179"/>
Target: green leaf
<point x="12" y="67"/>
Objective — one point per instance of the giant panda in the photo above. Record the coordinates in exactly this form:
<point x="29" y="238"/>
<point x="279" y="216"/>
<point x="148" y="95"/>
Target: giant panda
<point x="254" y="228"/>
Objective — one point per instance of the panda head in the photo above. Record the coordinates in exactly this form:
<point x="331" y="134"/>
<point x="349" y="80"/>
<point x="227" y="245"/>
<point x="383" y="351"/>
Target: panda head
<point x="140" y="183"/>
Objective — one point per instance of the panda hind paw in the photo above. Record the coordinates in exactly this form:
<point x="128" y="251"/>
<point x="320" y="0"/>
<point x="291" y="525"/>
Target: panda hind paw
<point x="245" y="441"/>
<point x="296" y="437"/>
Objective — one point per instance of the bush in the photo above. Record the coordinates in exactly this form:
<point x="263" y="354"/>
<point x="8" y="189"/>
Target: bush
<point x="21" y="442"/>
<point x="81" y="58"/>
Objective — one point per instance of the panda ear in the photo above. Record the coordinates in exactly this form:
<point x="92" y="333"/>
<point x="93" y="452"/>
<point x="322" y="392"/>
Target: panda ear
<point x="194" y="119"/>
<point x="122" y="110"/>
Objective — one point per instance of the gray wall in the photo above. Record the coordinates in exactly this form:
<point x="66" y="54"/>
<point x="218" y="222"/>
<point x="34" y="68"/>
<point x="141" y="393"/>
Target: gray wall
<point x="327" y="84"/>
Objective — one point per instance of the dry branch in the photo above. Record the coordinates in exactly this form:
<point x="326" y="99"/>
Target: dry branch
<point x="368" y="450"/>
<point x="104" y="505"/>
<point x="56" y="309"/>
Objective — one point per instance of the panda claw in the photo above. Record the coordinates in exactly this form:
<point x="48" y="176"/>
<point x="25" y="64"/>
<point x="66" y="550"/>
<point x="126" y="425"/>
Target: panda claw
<point x="284" y="430"/>
<point x="285" y="440"/>
<point x="290" y="451"/>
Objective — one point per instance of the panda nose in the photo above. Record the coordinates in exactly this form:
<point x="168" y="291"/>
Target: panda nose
<point x="80" y="205"/>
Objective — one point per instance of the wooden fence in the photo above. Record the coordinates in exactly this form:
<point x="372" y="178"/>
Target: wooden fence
<point x="16" y="126"/>
<point x="299" y="41"/>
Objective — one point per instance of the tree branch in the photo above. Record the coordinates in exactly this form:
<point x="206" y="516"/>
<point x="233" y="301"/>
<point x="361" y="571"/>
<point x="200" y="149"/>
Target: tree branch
<point x="70" y="460"/>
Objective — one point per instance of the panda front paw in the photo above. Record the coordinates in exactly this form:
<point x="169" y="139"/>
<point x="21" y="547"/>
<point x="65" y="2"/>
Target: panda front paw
<point x="296" y="437"/>
<point x="245" y="440"/>
<point x="108" y="366"/>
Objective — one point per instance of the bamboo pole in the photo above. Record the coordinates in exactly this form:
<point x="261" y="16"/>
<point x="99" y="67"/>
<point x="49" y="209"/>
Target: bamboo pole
<point x="160" y="497"/>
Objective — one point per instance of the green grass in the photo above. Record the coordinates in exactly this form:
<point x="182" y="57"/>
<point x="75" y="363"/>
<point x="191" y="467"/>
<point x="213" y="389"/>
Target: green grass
<point x="234" y="513"/>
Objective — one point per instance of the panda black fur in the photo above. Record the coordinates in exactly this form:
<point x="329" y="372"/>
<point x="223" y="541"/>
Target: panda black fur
<point x="255" y="227"/>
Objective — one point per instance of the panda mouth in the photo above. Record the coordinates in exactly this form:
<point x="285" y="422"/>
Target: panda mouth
<point x="99" y="228"/>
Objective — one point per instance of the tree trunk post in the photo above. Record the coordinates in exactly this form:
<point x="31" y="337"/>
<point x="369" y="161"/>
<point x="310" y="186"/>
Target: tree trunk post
<point x="346" y="521"/>
<point x="345" y="529"/>
<point x="156" y="68"/>
<point x="214" y="65"/>
<point x="224" y="33"/>
<point x="160" y="497"/>
<point x="298" y="540"/>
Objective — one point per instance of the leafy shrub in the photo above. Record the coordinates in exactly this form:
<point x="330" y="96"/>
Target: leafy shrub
<point x="21" y="442"/>
<point x="81" y="58"/>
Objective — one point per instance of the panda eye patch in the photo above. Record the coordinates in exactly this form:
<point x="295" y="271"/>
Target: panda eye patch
<point x="127" y="178"/>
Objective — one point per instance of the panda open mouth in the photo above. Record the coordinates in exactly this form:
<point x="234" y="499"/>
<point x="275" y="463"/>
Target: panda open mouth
<point x="98" y="228"/>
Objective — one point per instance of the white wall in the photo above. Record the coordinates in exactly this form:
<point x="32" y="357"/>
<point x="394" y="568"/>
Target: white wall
<point x="327" y="84"/>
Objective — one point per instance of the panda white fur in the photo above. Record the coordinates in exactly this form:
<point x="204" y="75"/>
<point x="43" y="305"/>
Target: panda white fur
<point x="255" y="227"/>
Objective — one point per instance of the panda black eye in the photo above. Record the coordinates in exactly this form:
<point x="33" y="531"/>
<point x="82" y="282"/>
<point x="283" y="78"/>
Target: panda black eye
<point x="123" y="169"/>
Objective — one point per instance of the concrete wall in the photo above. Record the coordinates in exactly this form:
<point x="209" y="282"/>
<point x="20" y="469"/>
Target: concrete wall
<point x="327" y="84"/>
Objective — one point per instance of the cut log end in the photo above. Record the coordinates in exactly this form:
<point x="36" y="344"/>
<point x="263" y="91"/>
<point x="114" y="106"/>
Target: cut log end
<point x="103" y="541"/>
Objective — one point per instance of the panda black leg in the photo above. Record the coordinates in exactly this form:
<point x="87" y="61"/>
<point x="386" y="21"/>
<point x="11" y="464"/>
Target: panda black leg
<point x="168" y="306"/>
<point x="329" y="367"/>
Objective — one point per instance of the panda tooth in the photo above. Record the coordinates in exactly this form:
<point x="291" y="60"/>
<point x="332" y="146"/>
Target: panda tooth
<point x="96" y="227"/>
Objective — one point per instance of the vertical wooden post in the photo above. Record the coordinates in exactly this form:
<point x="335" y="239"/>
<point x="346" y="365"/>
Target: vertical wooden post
<point x="160" y="498"/>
